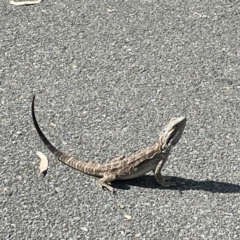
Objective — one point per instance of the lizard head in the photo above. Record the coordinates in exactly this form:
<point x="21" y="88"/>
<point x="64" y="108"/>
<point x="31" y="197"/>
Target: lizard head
<point x="173" y="131"/>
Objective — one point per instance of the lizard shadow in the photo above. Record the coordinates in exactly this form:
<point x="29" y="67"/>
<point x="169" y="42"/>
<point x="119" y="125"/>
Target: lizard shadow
<point x="182" y="184"/>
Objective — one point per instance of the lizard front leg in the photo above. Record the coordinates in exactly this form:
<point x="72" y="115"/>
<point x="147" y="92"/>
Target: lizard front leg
<point x="106" y="180"/>
<point x="164" y="181"/>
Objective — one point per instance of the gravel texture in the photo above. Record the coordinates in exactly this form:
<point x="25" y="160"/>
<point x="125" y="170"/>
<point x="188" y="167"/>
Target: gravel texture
<point x="108" y="75"/>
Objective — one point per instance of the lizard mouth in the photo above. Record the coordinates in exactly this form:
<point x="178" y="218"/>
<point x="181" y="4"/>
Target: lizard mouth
<point x="176" y="134"/>
<point x="174" y="138"/>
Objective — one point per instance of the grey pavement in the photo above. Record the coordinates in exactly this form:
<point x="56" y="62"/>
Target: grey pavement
<point x="108" y="75"/>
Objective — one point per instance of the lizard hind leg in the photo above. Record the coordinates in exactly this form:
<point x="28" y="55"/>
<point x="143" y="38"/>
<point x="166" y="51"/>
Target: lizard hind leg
<point x="105" y="182"/>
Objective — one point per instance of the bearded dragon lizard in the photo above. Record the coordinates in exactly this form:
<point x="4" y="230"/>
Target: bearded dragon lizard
<point x="139" y="163"/>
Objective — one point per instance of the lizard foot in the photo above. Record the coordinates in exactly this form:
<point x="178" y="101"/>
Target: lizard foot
<point x="166" y="182"/>
<point x="105" y="185"/>
<point x="169" y="182"/>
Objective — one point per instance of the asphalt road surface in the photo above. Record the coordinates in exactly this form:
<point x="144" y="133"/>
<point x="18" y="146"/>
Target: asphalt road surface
<point x="108" y="75"/>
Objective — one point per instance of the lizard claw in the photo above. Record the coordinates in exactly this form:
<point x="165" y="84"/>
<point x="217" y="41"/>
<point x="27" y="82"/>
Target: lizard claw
<point x="105" y="185"/>
<point x="166" y="182"/>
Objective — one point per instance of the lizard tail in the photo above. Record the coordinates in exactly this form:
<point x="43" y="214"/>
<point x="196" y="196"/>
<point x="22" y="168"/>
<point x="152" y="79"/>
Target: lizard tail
<point x="86" y="167"/>
<point x="52" y="149"/>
